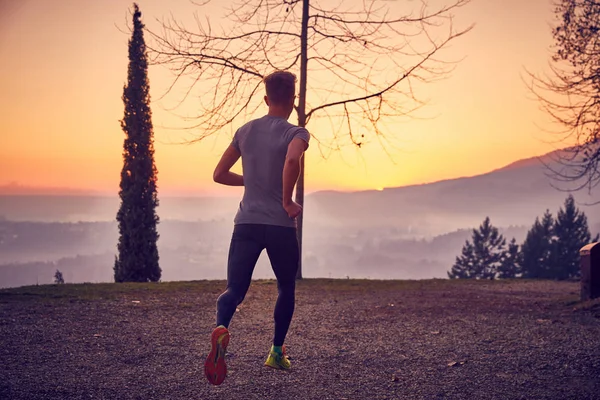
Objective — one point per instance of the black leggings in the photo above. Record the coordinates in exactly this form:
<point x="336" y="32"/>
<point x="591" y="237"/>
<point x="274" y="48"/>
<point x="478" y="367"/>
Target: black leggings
<point x="247" y="242"/>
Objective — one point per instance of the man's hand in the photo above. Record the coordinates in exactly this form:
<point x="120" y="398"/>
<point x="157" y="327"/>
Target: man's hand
<point x="291" y="172"/>
<point x="292" y="208"/>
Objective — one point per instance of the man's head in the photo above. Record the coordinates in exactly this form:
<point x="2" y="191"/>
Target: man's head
<point x="281" y="91"/>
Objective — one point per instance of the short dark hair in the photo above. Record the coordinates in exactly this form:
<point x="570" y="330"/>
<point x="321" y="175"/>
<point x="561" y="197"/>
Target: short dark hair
<point x="280" y="86"/>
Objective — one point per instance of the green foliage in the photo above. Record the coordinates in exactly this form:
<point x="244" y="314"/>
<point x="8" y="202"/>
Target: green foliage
<point x="572" y="233"/>
<point x="128" y="291"/>
<point x="511" y="264"/>
<point x="107" y="291"/>
<point x="537" y="250"/>
<point x="137" y="260"/>
<point x="58" y="278"/>
<point x="486" y="257"/>
<point x="551" y="249"/>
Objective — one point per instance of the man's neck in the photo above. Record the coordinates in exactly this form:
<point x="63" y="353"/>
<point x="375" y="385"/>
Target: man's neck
<point x="274" y="112"/>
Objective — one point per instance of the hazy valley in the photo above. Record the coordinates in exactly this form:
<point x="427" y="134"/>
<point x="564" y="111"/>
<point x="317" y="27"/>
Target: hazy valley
<point x="412" y="232"/>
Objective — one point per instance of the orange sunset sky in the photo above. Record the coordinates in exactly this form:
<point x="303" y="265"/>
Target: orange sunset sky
<point x="64" y="63"/>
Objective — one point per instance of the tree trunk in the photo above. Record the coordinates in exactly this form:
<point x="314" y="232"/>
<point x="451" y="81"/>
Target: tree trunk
<point x="302" y="122"/>
<point x="299" y="218"/>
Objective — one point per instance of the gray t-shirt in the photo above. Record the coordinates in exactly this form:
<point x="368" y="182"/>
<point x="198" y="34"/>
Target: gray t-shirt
<point x="263" y="144"/>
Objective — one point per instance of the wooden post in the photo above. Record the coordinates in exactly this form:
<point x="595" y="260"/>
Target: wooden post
<point x="590" y="271"/>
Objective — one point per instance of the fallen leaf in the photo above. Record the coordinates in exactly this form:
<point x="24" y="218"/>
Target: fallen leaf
<point x="97" y="335"/>
<point x="135" y="301"/>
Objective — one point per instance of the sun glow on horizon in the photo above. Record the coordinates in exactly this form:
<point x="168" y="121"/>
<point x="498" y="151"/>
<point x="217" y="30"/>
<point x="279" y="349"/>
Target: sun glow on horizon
<point x="61" y="122"/>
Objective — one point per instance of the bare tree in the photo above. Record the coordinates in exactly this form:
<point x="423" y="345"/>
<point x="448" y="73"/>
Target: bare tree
<point x="570" y="92"/>
<point x="363" y="63"/>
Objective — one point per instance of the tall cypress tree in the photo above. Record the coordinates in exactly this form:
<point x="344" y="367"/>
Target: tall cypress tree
<point x="572" y="233"/>
<point x="137" y="260"/>
<point x="537" y="252"/>
<point x="484" y="257"/>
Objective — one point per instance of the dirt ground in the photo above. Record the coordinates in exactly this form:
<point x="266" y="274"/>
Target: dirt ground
<point x="349" y="340"/>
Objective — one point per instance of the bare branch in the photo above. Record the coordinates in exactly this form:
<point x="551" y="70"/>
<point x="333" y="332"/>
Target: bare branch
<point x="366" y="61"/>
<point x="381" y="92"/>
<point x="570" y="92"/>
<point x="406" y="19"/>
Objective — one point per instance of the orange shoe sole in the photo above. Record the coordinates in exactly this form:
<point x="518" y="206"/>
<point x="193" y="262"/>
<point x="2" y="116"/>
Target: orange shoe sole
<point x="214" y="367"/>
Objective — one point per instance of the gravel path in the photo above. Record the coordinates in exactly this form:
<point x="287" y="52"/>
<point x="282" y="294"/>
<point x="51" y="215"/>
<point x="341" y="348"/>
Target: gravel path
<point x="349" y="340"/>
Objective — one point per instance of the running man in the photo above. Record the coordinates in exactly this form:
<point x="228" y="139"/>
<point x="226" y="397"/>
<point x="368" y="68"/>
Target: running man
<point x="271" y="149"/>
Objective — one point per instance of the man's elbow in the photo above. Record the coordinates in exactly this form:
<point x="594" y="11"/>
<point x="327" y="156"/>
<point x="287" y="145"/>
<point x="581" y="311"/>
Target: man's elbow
<point x="217" y="176"/>
<point x="292" y="160"/>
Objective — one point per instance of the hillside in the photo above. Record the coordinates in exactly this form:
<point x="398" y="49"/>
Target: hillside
<point x="513" y="195"/>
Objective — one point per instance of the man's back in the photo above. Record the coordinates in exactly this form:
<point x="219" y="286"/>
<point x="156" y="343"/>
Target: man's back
<point x="263" y="145"/>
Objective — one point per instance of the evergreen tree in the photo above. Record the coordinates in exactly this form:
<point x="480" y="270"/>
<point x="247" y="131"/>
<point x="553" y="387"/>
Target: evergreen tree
<point x="511" y="264"/>
<point x="572" y="233"/>
<point x="483" y="258"/>
<point x="466" y="266"/>
<point x="58" y="278"/>
<point x="537" y="250"/>
<point x="137" y="260"/>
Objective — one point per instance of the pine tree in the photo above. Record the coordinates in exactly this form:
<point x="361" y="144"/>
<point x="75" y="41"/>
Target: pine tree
<point x="511" y="264"/>
<point x="466" y="266"/>
<point x="572" y="233"/>
<point x="537" y="250"/>
<point x="483" y="258"/>
<point x="138" y="253"/>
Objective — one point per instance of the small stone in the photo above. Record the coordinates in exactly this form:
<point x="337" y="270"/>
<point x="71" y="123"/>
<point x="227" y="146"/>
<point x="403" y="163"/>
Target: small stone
<point x="456" y="363"/>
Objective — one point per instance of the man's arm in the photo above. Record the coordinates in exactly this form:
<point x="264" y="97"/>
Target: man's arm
<point x="222" y="173"/>
<point x="291" y="172"/>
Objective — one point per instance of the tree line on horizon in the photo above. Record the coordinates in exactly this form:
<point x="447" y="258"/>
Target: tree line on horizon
<point x="550" y="250"/>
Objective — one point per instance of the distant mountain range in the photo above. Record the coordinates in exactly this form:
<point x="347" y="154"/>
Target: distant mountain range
<point x="512" y="195"/>
<point x="17" y="189"/>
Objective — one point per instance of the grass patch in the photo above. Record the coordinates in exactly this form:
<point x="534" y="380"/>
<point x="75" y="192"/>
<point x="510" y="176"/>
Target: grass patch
<point x="590" y="305"/>
<point x="97" y="291"/>
<point x="391" y="285"/>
